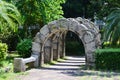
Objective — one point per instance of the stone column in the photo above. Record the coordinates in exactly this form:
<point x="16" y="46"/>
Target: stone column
<point x="90" y="47"/>
<point x="47" y="51"/>
<point x="55" y="50"/>
<point x="90" y="58"/>
<point x="41" y="56"/>
<point x="63" y="46"/>
<point x="60" y="48"/>
<point x="41" y="59"/>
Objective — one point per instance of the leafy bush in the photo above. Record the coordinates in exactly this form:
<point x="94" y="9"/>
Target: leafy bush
<point x="11" y="40"/>
<point x="108" y="59"/>
<point x="3" y="51"/>
<point x="24" y="47"/>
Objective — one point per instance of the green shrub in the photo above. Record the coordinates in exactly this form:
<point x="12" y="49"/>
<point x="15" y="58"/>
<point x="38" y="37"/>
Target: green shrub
<point x="24" y="48"/>
<point x="3" y="51"/>
<point x="108" y="59"/>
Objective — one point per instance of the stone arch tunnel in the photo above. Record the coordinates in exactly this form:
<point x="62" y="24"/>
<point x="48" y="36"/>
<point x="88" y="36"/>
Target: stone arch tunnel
<point x="49" y="42"/>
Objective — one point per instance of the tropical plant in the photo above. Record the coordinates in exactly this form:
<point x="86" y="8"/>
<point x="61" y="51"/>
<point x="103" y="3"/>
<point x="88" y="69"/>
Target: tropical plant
<point x="9" y="17"/>
<point x="112" y="27"/>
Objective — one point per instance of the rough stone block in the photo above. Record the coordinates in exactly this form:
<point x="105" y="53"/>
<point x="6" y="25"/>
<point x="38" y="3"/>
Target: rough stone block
<point x="36" y="47"/>
<point x="19" y="65"/>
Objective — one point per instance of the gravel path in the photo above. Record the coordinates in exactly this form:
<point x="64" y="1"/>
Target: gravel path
<point x="70" y="69"/>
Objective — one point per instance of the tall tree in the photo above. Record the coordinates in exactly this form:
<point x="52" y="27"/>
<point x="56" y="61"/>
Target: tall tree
<point x="51" y="10"/>
<point x="78" y="8"/>
<point x="104" y="7"/>
<point x="38" y="12"/>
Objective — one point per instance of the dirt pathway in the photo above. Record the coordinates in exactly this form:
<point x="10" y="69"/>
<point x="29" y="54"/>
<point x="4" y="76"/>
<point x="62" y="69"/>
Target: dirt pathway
<point x="70" y="69"/>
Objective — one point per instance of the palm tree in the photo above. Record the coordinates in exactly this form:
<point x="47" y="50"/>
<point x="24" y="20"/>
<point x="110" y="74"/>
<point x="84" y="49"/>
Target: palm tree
<point x="112" y="28"/>
<point x="9" y="16"/>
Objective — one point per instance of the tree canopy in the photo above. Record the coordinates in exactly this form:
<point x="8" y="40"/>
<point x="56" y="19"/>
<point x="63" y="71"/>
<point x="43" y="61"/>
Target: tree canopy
<point x="39" y="11"/>
<point x="88" y="8"/>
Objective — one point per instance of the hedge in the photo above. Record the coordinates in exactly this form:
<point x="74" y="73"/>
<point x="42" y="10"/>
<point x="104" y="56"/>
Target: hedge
<point x="108" y="59"/>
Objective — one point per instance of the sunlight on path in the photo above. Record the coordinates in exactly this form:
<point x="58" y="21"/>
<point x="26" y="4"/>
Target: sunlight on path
<point x="70" y="69"/>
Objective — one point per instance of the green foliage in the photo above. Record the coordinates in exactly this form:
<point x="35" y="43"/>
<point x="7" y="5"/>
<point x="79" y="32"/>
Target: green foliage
<point x="112" y="27"/>
<point x="24" y="47"/>
<point x="29" y="10"/>
<point x="38" y="12"/>
<point x="78" y="8"/>
<point x="108" y="59"/>
<point x="8" y="74"/>
<point x="51" y="10"/>
<point x="74" y="45"/>
<point x="104" y="7"/>
<point x="9" y="17"/>
<point x="3" y="51"/>
<point x="74" y="48"/>
<point x="11" y="40"/>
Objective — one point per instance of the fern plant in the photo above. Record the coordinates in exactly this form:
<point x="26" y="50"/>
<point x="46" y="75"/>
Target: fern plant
<point x="9" y="17"/>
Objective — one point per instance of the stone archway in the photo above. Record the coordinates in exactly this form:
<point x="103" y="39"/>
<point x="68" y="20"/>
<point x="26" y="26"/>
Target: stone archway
<point x="49" y="42"/>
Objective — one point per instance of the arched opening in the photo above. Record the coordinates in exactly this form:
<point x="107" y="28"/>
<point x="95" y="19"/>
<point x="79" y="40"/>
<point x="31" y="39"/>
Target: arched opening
<point x="52" y="40"/>
<point x="74" y="45"/>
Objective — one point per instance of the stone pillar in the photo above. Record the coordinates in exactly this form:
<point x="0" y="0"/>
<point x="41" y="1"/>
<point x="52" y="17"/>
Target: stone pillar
<point x="55" y="50"/>
<point x="47" y="51"/>
<point x="90" y="48"/>
<point x="60" y="48"/>
<point x="36" y="51"/>
<point x="41" y="58"/>
<point x="51" y="51"/>
<point x="63" y="45"/>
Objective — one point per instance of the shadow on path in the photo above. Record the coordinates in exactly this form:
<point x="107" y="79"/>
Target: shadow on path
<point x="73" y="68"/>
<point x="71" y="63"/>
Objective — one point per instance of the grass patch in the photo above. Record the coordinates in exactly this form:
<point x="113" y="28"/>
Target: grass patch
<point x="65" y="58"/>
<point x="61" y="60"/>
<point x="6" y="68"/>
<point x="51" y="63"/>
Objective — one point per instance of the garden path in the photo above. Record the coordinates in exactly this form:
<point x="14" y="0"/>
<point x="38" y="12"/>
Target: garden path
<point x="70" y="69"/>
